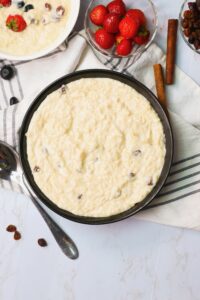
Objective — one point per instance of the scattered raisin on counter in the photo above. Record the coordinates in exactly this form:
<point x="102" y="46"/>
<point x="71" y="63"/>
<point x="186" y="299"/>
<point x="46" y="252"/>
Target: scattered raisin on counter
<point x="11" y="228"/>
<point x="80" y="196"/>
<point x="42" y="242"/>
<point x="17" y="235"/>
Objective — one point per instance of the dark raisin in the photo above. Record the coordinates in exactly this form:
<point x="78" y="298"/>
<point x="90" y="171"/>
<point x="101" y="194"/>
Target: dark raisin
<point x="194" y="34"/>
<point x="196" y="25"/>
<point x="63" y="89"/>
<point x="17" y="235"/>
<point x="132" y="175"/>
<point x="60" y="11"/>
<point x="137" y="152"/>
<point x="191" y="39"/>
<point x="11" y="228"/>
<point x="198" y="32"/>
<point x="184" y="23"/>
<point x="36" y="169"/>
<point x="150" y="181"/>
<point x="195" y="13"/>
<point x="192" y="5"/>
<point x="48" y="6"/>
<point x="42" y="242"/>
<point x="198" y="4"/>
<point x="187" y="32"/>
<point x="197" y="44"/>
<point x="80" y="196"/>
<point x="190" y="24"/>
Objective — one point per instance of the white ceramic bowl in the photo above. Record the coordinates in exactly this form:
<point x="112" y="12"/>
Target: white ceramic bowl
<point x="73" y="16"/>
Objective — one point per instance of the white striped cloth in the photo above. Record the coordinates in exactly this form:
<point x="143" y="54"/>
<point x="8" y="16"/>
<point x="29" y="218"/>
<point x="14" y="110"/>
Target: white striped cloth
<point x="178" y="203"/>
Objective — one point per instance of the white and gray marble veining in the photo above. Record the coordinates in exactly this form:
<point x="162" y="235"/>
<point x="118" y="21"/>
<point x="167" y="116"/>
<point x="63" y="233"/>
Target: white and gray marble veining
<point x="130" y="260"/>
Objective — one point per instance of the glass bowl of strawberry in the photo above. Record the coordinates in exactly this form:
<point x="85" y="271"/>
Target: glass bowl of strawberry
<point x="189" y="24"/>
<point x="120" y="28"/>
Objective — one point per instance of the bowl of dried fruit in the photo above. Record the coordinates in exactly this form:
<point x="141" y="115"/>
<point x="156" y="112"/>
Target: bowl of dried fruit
<point x="32" y="28"/>
<point x="189" y="24"/>
<point x="121" y="29"/>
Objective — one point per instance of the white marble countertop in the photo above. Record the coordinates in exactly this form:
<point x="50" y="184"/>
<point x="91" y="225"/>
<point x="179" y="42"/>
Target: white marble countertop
<point x="129" y="260"/>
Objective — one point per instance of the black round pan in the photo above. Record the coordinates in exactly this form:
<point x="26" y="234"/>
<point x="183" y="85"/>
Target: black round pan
<point x="97" y="74"/>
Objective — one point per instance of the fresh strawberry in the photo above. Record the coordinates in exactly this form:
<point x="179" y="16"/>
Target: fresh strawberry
<point x="128" y="27"/>
<point x="98" y="14"/>
<point x="16" y="23"/>
<point x="124" y="48"/>
<point x="117" y="7"/>
<point x="5" y="3"/>
<point x="137" y="14"/>
<point x="142" y="37"/>
<point x="119" y="38"/>
<point x="111" y="23"/>
<point x="104" y="39"/>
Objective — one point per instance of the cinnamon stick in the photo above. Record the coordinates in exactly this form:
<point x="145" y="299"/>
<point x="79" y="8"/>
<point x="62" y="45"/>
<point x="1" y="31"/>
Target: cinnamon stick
<point x="160" y="85"/>
<point x="171" y="50"/>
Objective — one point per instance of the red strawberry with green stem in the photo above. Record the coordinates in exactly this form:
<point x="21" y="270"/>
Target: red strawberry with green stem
<point x="117" y="7"/>
<point x="128" y="27"/>
<point x="98" y="14"/>
<point x="104" y="39"/>
<point x="124" y="48"/>
<point x="119" y="38"/>
<point x="16" y="23"/>
<point x="111" y="23"/>
<point x="142" y="36"/>
<point x="137" y="14"/>
<point x="5" y="3"/>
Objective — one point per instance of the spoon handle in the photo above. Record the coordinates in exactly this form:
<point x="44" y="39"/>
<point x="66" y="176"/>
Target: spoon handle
<point x="10" y="169"/>
<point x="64" y="241"/>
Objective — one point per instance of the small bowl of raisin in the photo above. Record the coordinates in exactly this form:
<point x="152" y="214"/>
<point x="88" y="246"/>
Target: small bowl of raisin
<point x="189" y="24"/>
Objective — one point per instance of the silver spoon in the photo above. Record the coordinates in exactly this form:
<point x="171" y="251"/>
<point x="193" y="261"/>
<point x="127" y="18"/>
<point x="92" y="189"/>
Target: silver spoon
<point x="10" y="169"/>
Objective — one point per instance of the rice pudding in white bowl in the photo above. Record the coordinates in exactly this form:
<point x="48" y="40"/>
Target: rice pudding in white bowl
<point x="96" y="147"/>
<point x="32" y="28"/>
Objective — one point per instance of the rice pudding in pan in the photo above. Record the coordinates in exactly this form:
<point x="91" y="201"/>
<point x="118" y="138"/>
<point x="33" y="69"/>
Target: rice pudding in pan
<point x="96" y="147"/>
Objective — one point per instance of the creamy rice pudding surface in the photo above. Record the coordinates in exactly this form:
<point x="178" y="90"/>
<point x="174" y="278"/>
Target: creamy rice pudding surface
<point x="96" y="147"/>
<point x="44" y="26"/>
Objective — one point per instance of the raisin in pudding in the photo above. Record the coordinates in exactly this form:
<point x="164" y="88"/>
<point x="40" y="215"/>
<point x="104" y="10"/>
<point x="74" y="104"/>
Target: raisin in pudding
<point x="30" y="26"/>
<point x="96" y="147"/>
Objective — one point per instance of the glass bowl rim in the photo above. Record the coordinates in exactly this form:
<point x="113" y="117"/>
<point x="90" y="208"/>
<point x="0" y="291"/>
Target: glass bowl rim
<point x="113" y="55"/>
